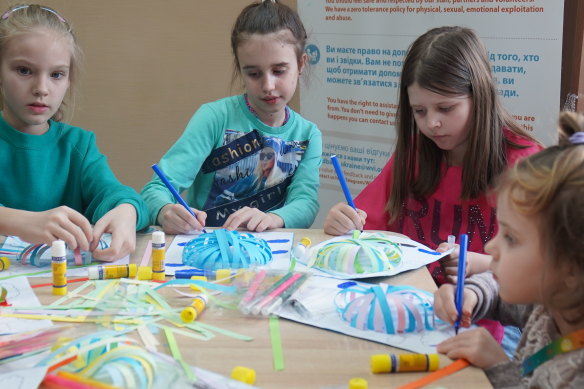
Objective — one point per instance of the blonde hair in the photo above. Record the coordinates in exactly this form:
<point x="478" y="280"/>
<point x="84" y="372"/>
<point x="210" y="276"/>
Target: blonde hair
<point x="25" y="18"/>
<point x="549" y="186"/>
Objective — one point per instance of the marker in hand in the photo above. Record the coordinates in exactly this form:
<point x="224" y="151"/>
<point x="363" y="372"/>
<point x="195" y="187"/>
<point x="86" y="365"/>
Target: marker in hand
<point x="176" y="195"/>
<point x="459" y="297"/>
<point x="342" y="181"/>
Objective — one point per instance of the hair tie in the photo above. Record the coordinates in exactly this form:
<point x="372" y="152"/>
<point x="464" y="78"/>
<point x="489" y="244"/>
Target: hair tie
<point x="577" y="138"/>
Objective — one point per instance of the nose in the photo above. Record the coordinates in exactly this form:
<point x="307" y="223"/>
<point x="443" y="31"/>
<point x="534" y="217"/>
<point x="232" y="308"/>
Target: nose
<point x="268" y="83"/>
<point x="433" y="121"/>
<point x="40" y="87"/>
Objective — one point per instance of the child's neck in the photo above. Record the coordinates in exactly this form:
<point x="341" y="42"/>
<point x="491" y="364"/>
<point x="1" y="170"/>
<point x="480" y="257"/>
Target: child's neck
<point x="565" y="328"/>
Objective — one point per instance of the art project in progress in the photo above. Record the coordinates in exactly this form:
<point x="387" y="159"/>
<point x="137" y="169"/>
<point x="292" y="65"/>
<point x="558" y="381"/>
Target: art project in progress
<point x="401" y="317"/>
<point x="17" y="292"/>
<point x="366" y="254"/>
<point x="35" y="259"/>
<point x="222" y="249"/>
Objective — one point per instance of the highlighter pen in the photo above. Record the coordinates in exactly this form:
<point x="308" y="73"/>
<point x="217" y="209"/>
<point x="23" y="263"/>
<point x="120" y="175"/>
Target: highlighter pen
<point x="281" y="299"/>
<point x="248" y="308"/>
<point x="275" y="294"/>
<point x="342" y="181"/>
<point x="176" y="195"/>
<point x="459" y="297"/>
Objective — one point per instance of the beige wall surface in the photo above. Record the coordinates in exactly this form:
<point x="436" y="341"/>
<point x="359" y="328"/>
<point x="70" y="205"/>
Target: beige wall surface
<point x="148" y="65"/>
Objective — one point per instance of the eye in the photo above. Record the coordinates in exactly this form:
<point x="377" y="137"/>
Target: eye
<point x="446" y="109"/>
<point x="279" y="71"/>
<point x="58" y="75"/>
<point x="253" y="74"/>
<point x="23" y="71"/>
<point x="418" y="111"/>
<point x="509" y="239"/>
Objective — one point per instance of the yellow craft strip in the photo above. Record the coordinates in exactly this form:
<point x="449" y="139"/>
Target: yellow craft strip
<point x="149" y="340"/>
<point x="78" y="319"/>
<point x="174" y="350"/>
<point x="187" y="333"/>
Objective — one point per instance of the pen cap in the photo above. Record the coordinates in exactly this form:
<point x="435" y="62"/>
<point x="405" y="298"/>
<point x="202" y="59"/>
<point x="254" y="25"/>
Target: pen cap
<point x="4" y="263"/>
<point x="358" y="383"/>
<point x="58" y="249"/>
<point x="244" y="374"/>
<point x="158" y="237"/>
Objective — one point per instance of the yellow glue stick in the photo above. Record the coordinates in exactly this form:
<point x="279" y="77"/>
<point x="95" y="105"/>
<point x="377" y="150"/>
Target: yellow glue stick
<point x="106" y="272"/>
<point x="59" y="267"/>
<point x="4" y="263"/>
<point x="392" y="363"/>
<point x="158" y="271"/>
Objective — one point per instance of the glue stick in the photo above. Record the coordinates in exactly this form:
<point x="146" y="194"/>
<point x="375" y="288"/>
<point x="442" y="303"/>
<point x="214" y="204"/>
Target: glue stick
<point x="59" y="267"/>
<point x="191" y="313"/>
<point x="158" y="271"/>
<point x="392" y="363"/>
<point x="106" y="272"/>
<point x="4" y="263"/>
<point x="301" y="248"/>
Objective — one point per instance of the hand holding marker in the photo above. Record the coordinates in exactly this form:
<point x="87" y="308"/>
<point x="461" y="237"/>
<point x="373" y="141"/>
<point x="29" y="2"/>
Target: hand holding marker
<point x="342" y="181"/>
<point x="459" y="297"/>
<point x="176" y="195"/>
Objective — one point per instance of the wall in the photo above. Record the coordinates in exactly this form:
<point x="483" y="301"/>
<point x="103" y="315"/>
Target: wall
<point x="148" y="66"/>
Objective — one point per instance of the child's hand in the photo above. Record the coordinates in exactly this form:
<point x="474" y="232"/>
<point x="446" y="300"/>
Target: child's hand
<point x="342" y="218"/>
<point x="476" y="346"/>
<point x="121" y="223"/>
<point x="475" y="262"/>
<point x="175" y="219"/>
<point x="445" y="307"/>
<point x="253" y="219"/>
<point x="58" y="223"/>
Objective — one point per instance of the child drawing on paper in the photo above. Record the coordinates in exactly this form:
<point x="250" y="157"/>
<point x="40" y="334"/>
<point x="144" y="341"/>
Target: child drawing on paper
<point x="537" y="279"/>
<point x="248" y="160"/>
<point x="60" y="184"/>
<point x="453" y="139"/>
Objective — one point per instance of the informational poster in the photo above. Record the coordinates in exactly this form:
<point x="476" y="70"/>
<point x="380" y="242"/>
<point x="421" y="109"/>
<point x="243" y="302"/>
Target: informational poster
<point x="356" y="49"/>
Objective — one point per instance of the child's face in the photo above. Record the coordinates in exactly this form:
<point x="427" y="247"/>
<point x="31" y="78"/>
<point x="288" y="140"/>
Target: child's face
<point x="270" y="72"/>
<point x="518" y="262"/>
<point x="34" y="77"/>
<point x="443" y="119"/>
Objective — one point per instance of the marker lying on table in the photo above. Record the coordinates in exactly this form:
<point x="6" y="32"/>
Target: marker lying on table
<point x="459" y="297"/>
<point x="218" y="274"/>
<point x="172" y="190"/>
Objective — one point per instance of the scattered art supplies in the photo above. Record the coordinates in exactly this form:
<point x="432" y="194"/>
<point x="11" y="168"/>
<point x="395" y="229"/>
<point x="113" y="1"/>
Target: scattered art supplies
<point x="35" y="259"/>
<point x="368" y="254"/>
<point x="265" y="292"/>
<point x="401" y="317"/>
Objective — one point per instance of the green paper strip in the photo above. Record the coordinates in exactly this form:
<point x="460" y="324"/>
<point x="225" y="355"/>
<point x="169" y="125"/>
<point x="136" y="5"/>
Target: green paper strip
<point x="209" y="327"/>
<point x="174" y="350"/>
<point x="277" y="351"/>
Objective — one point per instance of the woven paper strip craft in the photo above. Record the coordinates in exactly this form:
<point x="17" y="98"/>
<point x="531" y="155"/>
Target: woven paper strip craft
<point x="223" y="249"/>
<point x="40" y="255"/>
<point x="385" y="308"/>
<point x="361" y="254"/>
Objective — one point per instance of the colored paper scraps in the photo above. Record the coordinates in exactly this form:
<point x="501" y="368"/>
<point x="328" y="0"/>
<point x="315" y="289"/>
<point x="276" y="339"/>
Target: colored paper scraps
<point x="19" y="294"/>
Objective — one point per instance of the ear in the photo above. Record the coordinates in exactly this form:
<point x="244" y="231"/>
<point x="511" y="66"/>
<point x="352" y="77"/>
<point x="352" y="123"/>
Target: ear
<point x="302" y="63"/>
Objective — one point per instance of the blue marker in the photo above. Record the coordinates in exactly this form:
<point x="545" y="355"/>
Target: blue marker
<point x="342" y="181"/>
<point x="173" y="191"/>
<point x="459" y="297"/>
<point x="210" y="274"/>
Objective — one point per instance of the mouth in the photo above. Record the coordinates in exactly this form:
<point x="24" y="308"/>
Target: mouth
<point x="38" y="107"/>
<point x="270" y="99"/>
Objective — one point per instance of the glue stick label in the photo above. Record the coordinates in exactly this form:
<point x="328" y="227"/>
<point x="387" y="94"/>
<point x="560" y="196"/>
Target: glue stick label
<point x="158" y="245"/>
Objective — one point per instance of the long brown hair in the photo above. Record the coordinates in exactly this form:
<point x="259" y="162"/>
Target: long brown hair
<point x="450" y="61"/>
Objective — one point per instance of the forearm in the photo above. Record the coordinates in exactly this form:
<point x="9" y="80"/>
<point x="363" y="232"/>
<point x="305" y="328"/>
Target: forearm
<point x="478" y="263"/>
<point x="12" y="221"/>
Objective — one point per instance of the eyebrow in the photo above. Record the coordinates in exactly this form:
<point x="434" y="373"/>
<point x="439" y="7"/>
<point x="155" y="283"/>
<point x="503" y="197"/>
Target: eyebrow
<point x="273" y="65"/>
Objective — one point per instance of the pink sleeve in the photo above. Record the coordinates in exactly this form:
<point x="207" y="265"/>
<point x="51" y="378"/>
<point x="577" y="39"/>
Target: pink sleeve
<point x="373" y="199"/>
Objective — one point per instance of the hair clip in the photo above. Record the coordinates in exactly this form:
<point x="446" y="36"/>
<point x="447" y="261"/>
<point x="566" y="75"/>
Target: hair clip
<point x="6" y="14"/>
<point x="577" y="138"/>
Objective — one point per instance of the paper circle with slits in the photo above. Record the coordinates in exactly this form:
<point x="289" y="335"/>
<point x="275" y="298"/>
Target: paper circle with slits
<point x="363" y="254"/>
<point x="223" y="249"/>
<point x="387" y="309"/>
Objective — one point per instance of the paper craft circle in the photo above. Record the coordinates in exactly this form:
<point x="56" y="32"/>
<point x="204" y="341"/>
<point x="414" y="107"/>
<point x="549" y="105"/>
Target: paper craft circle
<point x="385" y="308"/>
<point x="223" y="249"/>
<point x="368" y="253"/>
